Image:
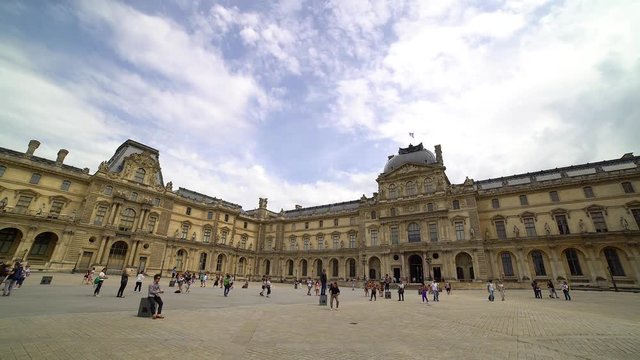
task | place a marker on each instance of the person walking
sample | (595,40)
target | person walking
(401,291)
(139,279)
(565,290)
(435,291)
(268,285)
(154,295)
(174,272)
(309,286)
(366,286)
(423,291)
(323,281)
(24,274)
(490,289)
(552,289)
(124,279)
(99,280)
(317,287)
(353,284)
(447,287)
(264,285)
(13,274)
(334,291)
(374,288)
(501,289)
(227,285)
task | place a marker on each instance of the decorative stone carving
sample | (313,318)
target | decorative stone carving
(169,186)
(516,231)
(547,229)
(193,237)
(624,223)
(582,227)
(103,168)
(3,203)
(472,233)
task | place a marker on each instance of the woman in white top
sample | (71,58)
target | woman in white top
(139,279)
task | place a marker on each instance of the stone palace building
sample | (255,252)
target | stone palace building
(577,223)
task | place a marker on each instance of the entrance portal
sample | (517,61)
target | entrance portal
(415,269)
(437,275)
(396,274)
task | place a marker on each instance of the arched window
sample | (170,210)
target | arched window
(203,262)
(290,267)
(538,263)
(219,262)
(139,177)
(126,219)
(613,261)
(334,268)
(352,268)
(507,264)
(573,262)
(241,266)
(413,231)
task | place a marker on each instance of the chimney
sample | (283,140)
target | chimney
(33,145)
(439,154)
(61,155)
(298,207)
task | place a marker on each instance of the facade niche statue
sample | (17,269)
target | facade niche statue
(547,229)
(582,226)
(516,231)
(624,224)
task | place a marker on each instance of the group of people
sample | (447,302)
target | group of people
(13,276)
(537,292)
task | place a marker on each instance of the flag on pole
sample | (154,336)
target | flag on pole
(411,134)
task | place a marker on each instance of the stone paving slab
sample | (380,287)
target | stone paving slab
(63,321)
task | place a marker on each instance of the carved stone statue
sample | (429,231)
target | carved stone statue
(103,167)
(262,203)
(516,231)
(3,203)
(547,228)
(175,235)
(169,186)
(341,244)
(472,233)
(72,217)
(193,237)
(582,227)
(624,223)
(127,170)
(40,210)
(486,233)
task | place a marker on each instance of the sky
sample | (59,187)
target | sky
(301,102)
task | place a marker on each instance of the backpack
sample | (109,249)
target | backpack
(97,280)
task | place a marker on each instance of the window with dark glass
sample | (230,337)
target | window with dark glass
(411,188)
(245,225)
(628,187)
(374,237)
(507,265)
(56,208)
(101,211)
(636,216)
(209,215)
(414,232)
(573,262)
(430,207)
(538,263)
(563,226)
(2,170)
(433,232)
(22,206)
(306,225)
(151,223)
(334,268)
(554,196)
(530,226)
(335,222)
(495,203)
(501,230)
(588,192)
(188,211)
(126,219)
(35,178)
(524,200)
(320,223)
(613,262)
(393,211)
(373,215)
(395,236)
(226,217)
(456,204)
(459,225)
(598,221)
(66,184)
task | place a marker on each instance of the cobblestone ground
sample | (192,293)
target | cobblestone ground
(64,321)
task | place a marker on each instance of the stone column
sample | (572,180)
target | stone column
(105,251)
(424,266)
(556,266)
(595,267)
(523,267)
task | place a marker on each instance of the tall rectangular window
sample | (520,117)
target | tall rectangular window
(598,221)
(336,241)
(628,187)
(588,192)
(22,206)
(2,170)
(393,211)
(188,212)
(430,207)
(554,196)
(456,204)
(538,263)
(523,200)
(495,203)
(501,231)
(374,237)
(306,225)
(563,226)
(321,242)
(56,208)
(35,178)
(433,232)
(209,215)
(507,264)
(100,213)
(530,226)
(335,222)
(245,225)
(185,231)
(320,223)
(206,235)
(573,262)
(352,241)
(306,243)
(226,217)
(223,237)
(459,225)
(613,261)
(636,216)
(395,235)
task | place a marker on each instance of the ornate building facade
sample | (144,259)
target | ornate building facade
(578,223)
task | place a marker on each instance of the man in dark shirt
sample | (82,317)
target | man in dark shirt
(334,291)
(13,276)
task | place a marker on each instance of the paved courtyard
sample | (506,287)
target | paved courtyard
(64,321)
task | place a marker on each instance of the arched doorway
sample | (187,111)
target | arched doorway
(181,257)
(318,267)
(117,255)
(416,271)
(290,267)
(202,264)
(303,267)
(241,266)
(333,265)
(9,240)
(267,267)
(351,268)
(43,246)
(464,267)
(374,268)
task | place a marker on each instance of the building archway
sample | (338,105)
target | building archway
(267,267)
(241,266)
(374,268)
(350,268)
(9,240)
(464,267)
(289,267)
(117,256)
(416,271)
(43,246)
(318,267)
(303,267)
(202,264)
(333,265)
(181,259)
(220,263)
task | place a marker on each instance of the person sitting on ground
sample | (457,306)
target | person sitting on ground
(154,296)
